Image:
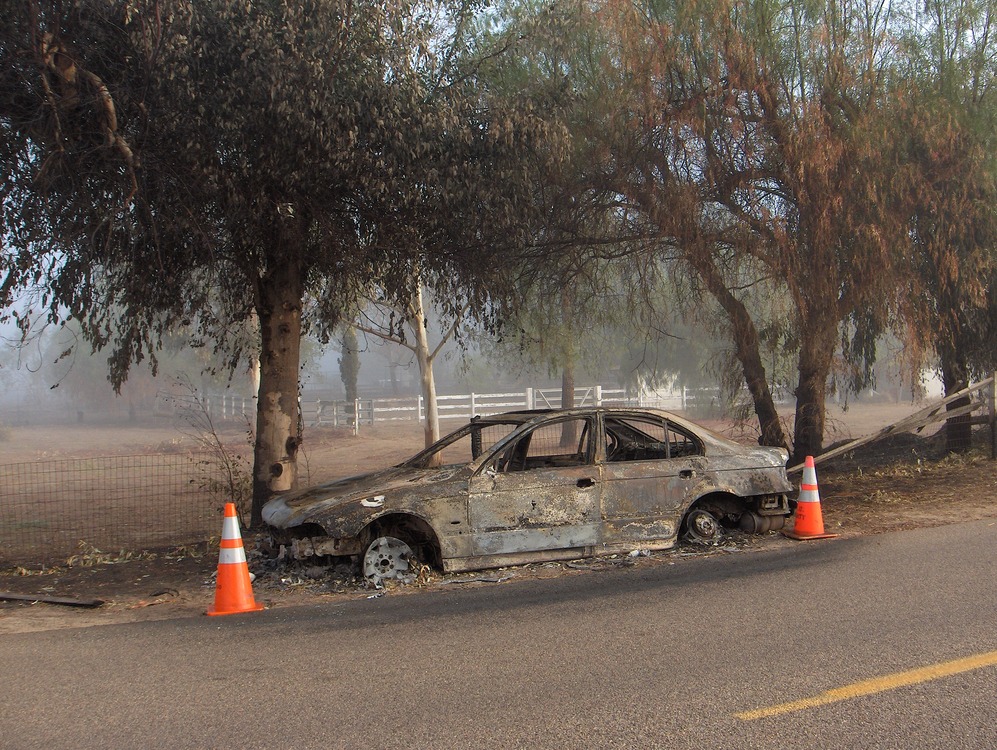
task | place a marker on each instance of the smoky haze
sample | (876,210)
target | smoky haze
(53,378)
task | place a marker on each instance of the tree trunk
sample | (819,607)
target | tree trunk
(814,366)
(424,357)
(951,347)
(568,323)
(569,430)
(955,377)
(349,363)
(568,386)
(748,353)
(279,301)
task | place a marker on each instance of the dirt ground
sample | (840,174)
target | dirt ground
(904,483)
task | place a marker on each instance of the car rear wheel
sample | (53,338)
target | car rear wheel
(388,558)
(701,526)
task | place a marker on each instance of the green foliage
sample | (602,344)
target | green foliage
(945,113)
(190,150)
(210,165)
(742,140)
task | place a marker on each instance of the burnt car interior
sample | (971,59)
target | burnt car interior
(560,444)
(645,440)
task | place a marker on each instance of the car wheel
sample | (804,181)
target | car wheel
(387,558)
(702,527)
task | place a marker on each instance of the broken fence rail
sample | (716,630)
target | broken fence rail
(935,412)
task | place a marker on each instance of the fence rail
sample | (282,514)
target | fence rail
(316,412)
(336,413)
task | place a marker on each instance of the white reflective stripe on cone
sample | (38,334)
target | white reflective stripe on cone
(230,528)
(230,555)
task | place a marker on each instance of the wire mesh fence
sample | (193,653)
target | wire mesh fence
(51,509)
(160,500)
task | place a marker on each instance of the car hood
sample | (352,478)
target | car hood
(298,507)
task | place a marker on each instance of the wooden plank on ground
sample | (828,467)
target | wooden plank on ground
(64,600)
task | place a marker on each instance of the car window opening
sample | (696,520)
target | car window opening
(554,445)
(647,440)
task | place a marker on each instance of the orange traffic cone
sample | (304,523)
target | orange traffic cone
(809,520)
(233,589)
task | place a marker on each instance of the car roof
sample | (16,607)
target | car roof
(521,416)
(525,415)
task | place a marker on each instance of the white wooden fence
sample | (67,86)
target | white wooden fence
(458,406)
(336,413)
(468,405)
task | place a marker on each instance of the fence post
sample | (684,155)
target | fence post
(529,398)
(356,415)
(598,395)
(472,406)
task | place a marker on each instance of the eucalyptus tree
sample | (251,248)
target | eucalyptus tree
(169,162)
(747,135)
(945,149)
(565,307)
(404,320)
(574,318)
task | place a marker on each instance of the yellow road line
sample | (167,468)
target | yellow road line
(876,685)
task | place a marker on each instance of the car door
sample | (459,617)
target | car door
(541,493)
(650,471)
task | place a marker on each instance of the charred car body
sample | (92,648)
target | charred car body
(540,485)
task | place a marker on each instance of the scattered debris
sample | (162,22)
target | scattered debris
(43,571)
(89,556)
(290,581)
(196,550)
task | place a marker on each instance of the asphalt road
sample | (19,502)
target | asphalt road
(663,656)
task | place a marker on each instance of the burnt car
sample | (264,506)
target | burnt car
(540,485)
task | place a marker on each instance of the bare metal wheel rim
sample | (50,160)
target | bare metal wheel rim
(702,526)
(387,557)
